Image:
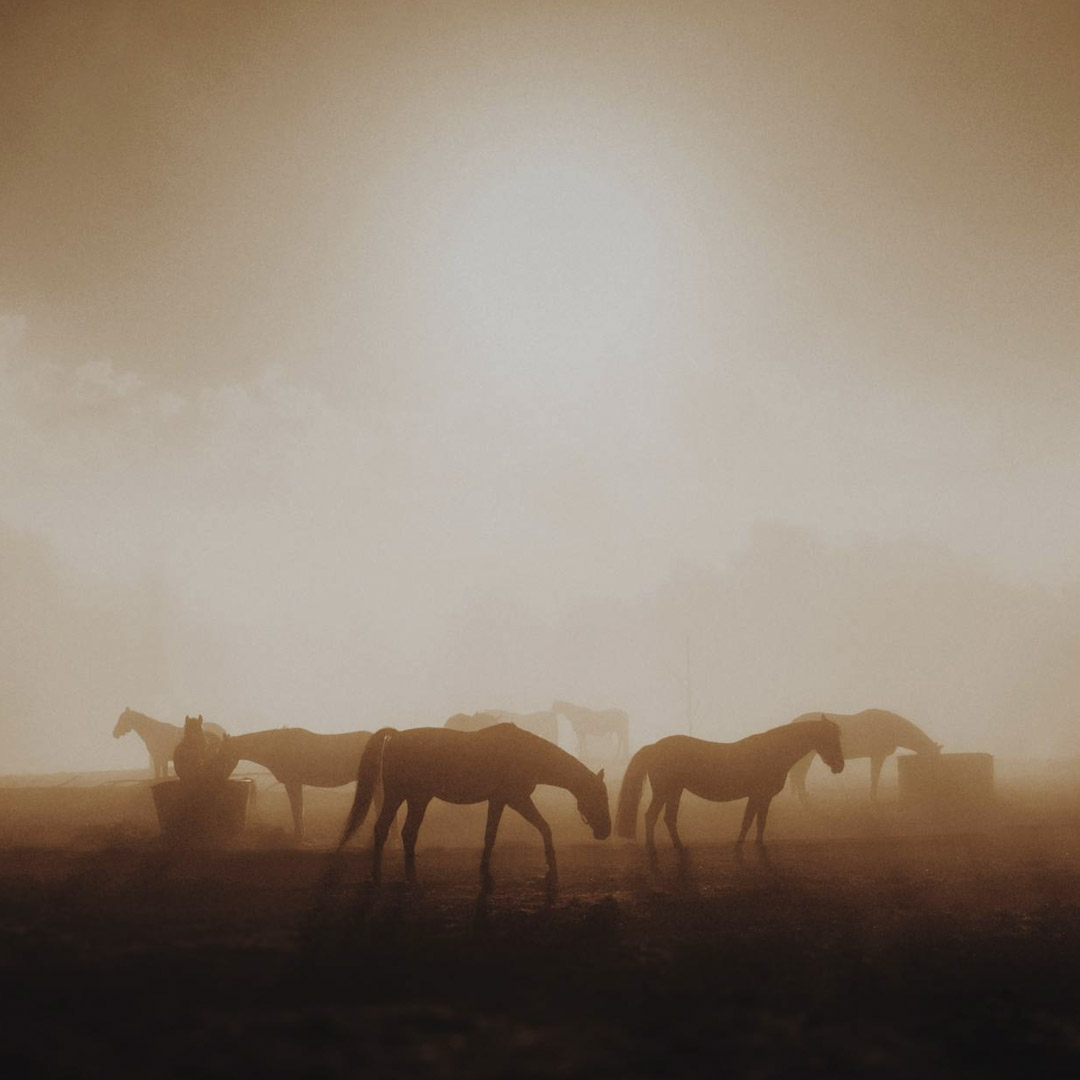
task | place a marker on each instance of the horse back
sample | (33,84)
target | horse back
(466,766)
(296,755)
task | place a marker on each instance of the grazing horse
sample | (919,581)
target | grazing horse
(596,724)
(499,765)
(544,724)
(872,733)
(161,738)
(755,768)
(297,757)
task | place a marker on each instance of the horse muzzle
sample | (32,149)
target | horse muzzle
(837,768)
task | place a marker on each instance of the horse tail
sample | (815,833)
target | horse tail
(367,778)
(630,793)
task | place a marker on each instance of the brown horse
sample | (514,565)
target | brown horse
(872,733)
(198,755)
(297,757)
(500,765)
(161,738)
(754,768)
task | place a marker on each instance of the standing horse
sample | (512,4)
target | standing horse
(872,733)
(754,768)
(596,724)
(160,737)
(499,765)
(197,757)
(544,724)
(297,757)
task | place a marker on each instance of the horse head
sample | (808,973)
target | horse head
(123,724)
(593,806)
(193,725)
(828,745)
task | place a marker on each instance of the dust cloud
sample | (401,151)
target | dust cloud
(707,364)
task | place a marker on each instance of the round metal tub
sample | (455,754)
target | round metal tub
(201,813)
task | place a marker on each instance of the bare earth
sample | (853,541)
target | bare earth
(890,951)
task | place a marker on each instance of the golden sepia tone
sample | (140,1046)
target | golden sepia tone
(654,419)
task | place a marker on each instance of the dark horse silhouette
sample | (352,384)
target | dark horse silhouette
(754,768)
(872,733)
(543,724)
(596,724)
(161,738)
(297,757)
(197,757)
(499,765)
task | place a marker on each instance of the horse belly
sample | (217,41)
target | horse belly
(727,788)
(719,790)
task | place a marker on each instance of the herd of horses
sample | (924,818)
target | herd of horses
(501,758)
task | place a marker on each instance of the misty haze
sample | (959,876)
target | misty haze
(540,538)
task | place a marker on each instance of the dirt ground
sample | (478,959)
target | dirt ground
(875,942)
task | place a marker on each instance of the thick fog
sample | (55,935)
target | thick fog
(363,366)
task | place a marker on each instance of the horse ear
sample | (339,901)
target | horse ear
(600,775)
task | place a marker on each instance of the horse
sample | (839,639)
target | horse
(161,738)
(295,757)
(595,724)
(754,768)
(544,724)
(500,765)
(197,758)
(872,733)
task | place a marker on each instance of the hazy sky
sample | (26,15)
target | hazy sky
(347,330)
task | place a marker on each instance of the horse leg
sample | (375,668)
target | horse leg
(797,776)
(762,814)
(651,816)
(748,817)
(382,828)
(527,809)
(875,775)
(296,805)
(494,816)
(671,815)
(409,832)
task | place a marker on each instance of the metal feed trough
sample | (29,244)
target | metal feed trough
(201,812)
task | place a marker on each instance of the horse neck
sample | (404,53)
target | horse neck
(560,769)
(801,739)
(140,723)
(911,737)
(255,746)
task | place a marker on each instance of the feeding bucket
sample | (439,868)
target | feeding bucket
(201,812)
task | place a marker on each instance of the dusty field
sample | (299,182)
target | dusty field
(875,947)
